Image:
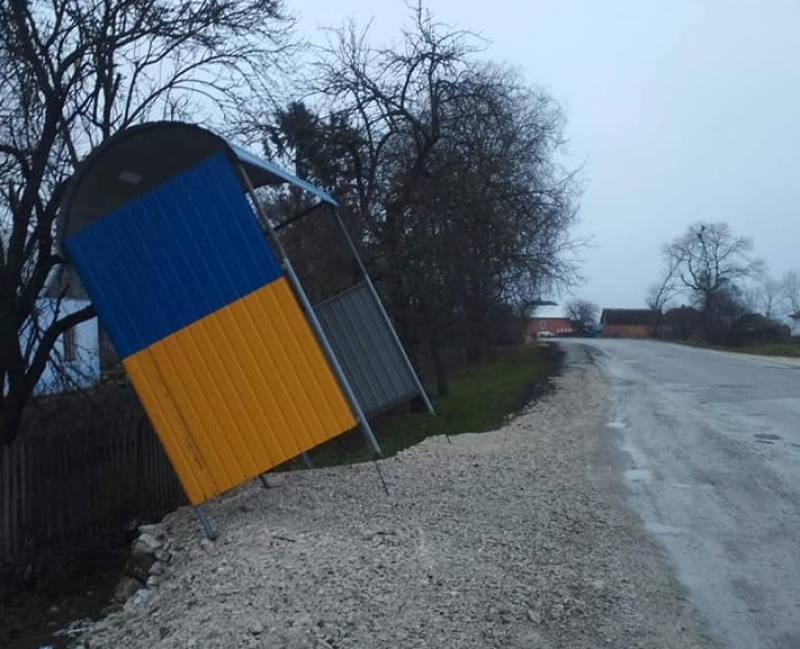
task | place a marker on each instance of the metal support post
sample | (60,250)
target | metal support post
(385,315)
(208,528)
(361,418)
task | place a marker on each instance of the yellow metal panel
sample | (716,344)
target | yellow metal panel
(239,391)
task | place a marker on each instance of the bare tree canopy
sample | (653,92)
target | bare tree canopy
(766,297)
(583,313)
(73,73)
(790,291)
(446,169)
(661,292)
(446,166)
(710,264)
(709,258)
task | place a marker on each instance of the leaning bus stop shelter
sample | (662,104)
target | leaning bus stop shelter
(235,367)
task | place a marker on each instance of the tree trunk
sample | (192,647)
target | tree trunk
(27,372)
(11,415)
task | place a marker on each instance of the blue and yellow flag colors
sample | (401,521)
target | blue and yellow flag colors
(208,330)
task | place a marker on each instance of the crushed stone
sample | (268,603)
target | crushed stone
(515,538)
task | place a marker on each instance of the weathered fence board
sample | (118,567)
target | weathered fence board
(64,493)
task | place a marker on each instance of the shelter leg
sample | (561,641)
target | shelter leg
(263,479)
(208,528)
(307,461)
(366,429)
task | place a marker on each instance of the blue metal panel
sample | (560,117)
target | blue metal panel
(172,256)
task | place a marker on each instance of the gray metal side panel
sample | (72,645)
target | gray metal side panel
(367,351)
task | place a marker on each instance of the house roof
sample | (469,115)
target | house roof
(550,312)
(630,316)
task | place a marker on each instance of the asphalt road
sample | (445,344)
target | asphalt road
(712,443)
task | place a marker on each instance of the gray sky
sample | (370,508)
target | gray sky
(679,110)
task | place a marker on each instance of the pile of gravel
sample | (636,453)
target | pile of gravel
(515,538)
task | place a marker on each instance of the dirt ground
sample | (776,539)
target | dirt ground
(29,620)
(515,538)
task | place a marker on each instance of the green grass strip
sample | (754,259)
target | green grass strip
(481,397)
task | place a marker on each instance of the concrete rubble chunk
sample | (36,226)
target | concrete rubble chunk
(147,543)
(139,564)
(142,596)
(153,529)
(126,588)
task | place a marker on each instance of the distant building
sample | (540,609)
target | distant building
(630,323)
(548,320)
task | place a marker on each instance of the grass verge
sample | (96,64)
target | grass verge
(481,397)
(771,349)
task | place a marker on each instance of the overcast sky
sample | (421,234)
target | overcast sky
(678,110)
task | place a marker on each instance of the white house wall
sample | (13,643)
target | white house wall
(61,375)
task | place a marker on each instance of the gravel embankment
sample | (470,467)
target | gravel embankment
(516,538)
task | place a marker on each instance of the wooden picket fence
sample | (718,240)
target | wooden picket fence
(66,494)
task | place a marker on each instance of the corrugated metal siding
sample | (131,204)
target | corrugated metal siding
(172,256)
(366,349)
(214,340)
(239,392)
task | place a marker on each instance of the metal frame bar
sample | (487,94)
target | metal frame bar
(385,315)
(208,527)
(371,287)
(313,321)
(299,216)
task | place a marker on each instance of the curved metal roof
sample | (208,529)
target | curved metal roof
(140,158)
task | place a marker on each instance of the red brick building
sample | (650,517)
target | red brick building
(548,319)
(630,323)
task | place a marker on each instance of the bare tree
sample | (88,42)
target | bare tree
(74,72)
(790,290)
(456,186)
(661,292)
(711,263)
(583,314)
(709,258)
(766,297)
